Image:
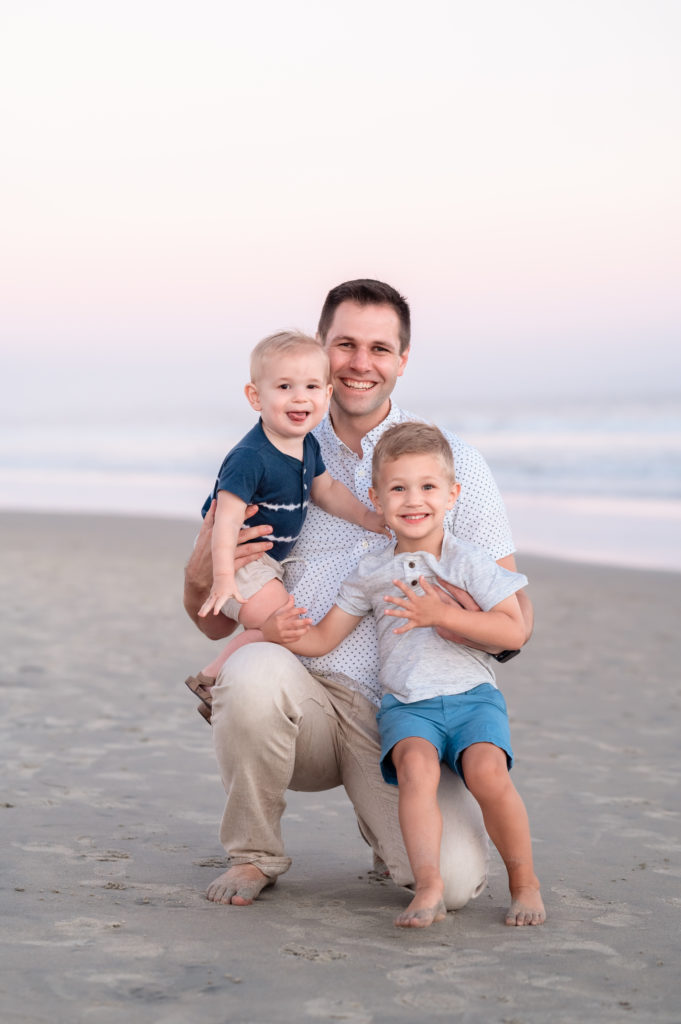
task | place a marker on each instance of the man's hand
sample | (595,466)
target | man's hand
(420,610)
(285,625)
(455,595)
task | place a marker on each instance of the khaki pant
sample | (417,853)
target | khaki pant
(277,727)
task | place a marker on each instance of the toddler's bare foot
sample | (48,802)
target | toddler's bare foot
(202,686)
(426,908)
(527,907)
(239,885)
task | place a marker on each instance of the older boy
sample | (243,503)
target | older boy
(440,702)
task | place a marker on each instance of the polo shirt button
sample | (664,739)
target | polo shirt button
(412,565)
(414,582)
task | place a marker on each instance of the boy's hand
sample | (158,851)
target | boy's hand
(223,588)
(285,625)
(419,609)
(376,523)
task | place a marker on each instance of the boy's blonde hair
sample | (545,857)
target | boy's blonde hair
(280,343)
(412,438)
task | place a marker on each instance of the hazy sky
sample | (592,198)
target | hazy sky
(180,178)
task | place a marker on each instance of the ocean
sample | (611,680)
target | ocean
(593,479)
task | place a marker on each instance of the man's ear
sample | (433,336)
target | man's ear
(374,500)
(454,493)
(404,356)
(251,393)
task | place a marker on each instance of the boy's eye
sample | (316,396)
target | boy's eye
(397,487)
(429,487)
(313,387)
(284,387)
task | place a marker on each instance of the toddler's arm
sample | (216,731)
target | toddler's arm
(335,498)
(500,627)
(229,517)
(287,628)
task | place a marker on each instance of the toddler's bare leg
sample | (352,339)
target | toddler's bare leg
(418,772)
(252,615)
(486,773)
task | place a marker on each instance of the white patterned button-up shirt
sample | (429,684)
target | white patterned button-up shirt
(330,548)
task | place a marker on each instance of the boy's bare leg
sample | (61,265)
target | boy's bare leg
(418,772)
(486,773)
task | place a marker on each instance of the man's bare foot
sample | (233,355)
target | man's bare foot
(426,908)
(239,885)
(527,907)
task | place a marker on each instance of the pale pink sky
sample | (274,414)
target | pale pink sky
(181,178)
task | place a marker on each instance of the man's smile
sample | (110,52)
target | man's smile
(358,385)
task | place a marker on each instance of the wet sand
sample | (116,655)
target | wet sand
(110,807)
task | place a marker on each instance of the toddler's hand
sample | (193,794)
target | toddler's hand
(223,588)
(376,523)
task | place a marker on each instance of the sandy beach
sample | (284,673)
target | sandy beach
(111,803)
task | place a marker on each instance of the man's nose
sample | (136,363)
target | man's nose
(360,360)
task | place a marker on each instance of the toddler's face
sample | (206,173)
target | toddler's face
(292,392)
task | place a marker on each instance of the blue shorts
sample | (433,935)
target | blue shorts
(450,723)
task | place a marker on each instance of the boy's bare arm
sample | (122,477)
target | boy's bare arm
(286,627)
(501,627)
(335,498)
(198,575)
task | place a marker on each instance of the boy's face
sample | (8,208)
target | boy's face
(413,493)
(291,393)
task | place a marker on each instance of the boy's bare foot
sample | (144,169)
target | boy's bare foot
(239,885)
(426,908)
(527,907)
(201,685)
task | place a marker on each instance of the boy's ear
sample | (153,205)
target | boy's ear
(329,391)
(454,493)
(251,393)
(374,500)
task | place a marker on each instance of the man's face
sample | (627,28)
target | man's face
(363,344)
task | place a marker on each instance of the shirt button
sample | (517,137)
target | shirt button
(414,582)
(412,565)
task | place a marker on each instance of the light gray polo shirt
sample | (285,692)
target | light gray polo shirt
(419,664)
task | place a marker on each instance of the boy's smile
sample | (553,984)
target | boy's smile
(291,394)
(413,493)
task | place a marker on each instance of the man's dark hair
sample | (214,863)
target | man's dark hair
(366,292)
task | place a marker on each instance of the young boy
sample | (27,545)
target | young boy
(440,700)
(278,467)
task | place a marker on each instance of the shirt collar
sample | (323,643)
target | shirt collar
(369,440)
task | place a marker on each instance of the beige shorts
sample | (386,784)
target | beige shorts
(251,579)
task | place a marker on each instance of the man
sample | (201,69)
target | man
(280,722)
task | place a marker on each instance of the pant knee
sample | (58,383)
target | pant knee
(251,684)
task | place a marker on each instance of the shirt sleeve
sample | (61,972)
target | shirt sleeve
(316,452)
(479,515)
(489,583)
(240,474)
(353,597)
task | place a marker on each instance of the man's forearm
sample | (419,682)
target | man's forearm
(215,627)
(527,612)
